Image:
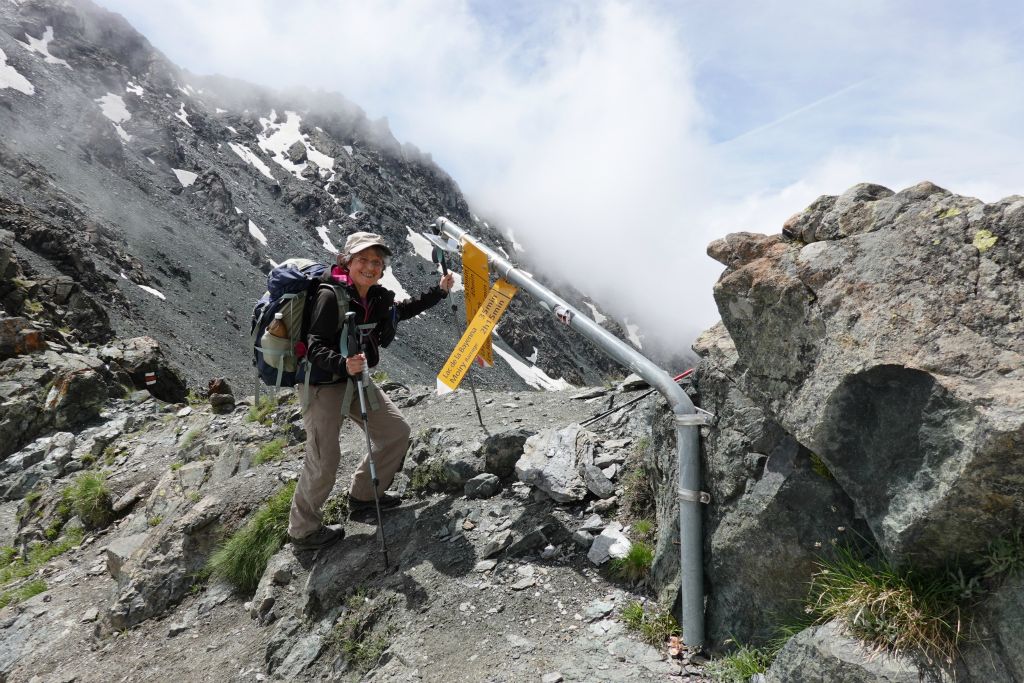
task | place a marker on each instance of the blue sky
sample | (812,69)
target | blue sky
(601,128)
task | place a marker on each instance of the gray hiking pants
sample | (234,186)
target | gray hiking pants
(389,437)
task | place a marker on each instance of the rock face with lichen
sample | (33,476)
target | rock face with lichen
(884,332)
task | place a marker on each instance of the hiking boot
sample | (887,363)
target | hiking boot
(321,538)
(387,500)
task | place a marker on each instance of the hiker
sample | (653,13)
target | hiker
(332,392)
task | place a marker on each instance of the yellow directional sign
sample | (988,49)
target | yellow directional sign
(477,280)
(477,331)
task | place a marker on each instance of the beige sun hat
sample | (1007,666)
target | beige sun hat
(361,241)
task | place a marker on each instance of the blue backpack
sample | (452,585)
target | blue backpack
(280,361)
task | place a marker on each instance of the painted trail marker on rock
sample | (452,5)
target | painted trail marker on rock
(478,330)
(476,278)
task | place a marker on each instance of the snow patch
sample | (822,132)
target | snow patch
(232,129)
(249,157)
(532,375)
(633,332)
(279,138)
(182,115)
(218,110)
(595,314)
(258,235)
(157,293)
(238,211)
(389,281)
(132,87)
(348,149)
(42,46)
(113,108)
(186,178)
(150,161)
(533,356)
(11,78)
(325,237)
(420,246)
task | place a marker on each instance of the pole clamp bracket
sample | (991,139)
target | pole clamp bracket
(694,496)
(700,418)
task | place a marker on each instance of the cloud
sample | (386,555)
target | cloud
(616,139)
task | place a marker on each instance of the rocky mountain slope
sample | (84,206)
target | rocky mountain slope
(167,196)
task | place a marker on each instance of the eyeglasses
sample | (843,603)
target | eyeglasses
(372,262)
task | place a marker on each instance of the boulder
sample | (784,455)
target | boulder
(297,152)
(76,397)
(610,544)
(996,650)
(482,486)
(502,450)
(825,653)
(553,460)
(884,334)
(19,336)
(762,537)
(143,360)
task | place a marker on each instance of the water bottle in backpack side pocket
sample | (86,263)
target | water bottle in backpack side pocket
(277,326)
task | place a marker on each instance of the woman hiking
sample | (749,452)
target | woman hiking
(357,274)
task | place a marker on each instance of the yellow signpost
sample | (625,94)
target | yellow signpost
(476,278)
(478,331)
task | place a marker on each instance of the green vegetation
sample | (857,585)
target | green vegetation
(263,411)
(738,666)
(336,509)
(22,592)
(654,627)
(430,476)
(194,399)
(643,529)
(638,493)
(177,465)
(242,559)
(7,555)
(155,520)
(195,496)
(272,451)
(109,455)
(898,610)
(819,467)
(190,438)
(636,565)
(356,636)
(32,307)
(379,377)
(89,497)
(1005,556)
(38,555)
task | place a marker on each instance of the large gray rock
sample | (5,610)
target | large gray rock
(141,357)
(553,461)
(825,653)
(886,337)
(771,514)
(502,450)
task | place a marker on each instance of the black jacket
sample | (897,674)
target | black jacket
(325,330)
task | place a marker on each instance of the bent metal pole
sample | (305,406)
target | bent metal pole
(687,422)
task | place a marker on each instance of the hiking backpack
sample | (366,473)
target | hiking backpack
(281,361)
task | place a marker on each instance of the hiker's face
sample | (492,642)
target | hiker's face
(366,267)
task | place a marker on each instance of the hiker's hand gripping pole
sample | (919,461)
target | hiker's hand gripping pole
(363,381)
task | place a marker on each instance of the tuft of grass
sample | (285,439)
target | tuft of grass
(430,476)
(194,398)
(357,637)
(638,493)
(177,465)
(190,438)
(89,497)
(155,520)
(1005,556)
(272,451)
(896,610)
(739,665)
(636,565)
(819,467)
(335,510)
(242,559)
(32,307)
(643,529)
(38,555)
(109,455)
(654,628)
(379,377)
(7,555)
(22,592)
(262,411)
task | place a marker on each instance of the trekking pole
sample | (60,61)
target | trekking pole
(361,383)
(439,255)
